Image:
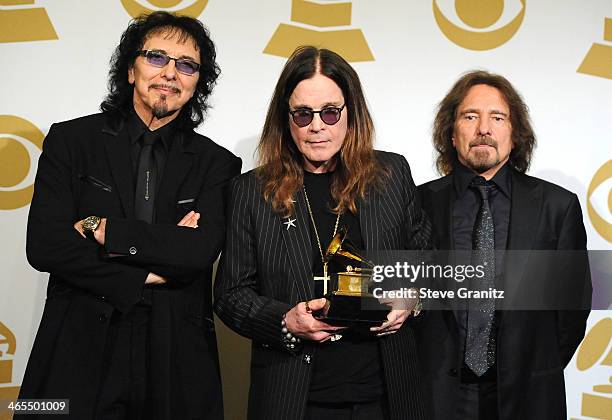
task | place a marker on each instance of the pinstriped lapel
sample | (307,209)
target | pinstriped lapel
(368,213)
(298,245)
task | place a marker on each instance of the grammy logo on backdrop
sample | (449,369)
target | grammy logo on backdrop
(481,25)
(22,24)
(307,18)
(598,61)
(20,140)
(181,7)
(595,349)
(8,345)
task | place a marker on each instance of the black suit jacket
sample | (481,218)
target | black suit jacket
(85,169)
(533,347)
(267,269)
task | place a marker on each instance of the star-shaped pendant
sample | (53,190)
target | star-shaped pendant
(290,222)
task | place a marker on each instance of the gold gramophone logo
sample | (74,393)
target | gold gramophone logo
(309,18)
(598,61)
(19,140)
(192,8)
(19,22)
(599,201)
(481,26)
(595,349)
(8,345)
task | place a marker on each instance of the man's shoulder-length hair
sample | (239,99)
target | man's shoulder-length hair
(119,100)
(523,135)
(281,164)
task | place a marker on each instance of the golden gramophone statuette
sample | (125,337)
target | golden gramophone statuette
(350,302)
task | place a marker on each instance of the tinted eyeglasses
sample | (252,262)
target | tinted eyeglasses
(329,115)
(160,59)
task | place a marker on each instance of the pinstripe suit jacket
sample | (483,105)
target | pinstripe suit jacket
(266,269)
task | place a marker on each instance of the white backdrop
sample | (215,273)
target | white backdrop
(414,64)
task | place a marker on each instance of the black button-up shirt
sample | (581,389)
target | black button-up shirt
(466,206)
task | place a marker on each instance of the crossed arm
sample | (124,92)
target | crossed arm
(190,220)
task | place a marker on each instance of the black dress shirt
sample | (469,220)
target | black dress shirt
(136,128)
(348,370)
(465,209)
(467,203)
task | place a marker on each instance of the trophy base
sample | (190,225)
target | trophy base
(348,310)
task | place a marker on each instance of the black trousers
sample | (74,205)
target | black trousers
(376,410)
(122,393)
(477,399)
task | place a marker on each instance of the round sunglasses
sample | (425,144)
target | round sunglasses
(330,115)
(160,59)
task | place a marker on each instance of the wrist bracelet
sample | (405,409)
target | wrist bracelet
(288,339)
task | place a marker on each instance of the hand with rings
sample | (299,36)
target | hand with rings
(395,320)
(300,322)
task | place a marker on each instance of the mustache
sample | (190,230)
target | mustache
(483,141)
(162,86)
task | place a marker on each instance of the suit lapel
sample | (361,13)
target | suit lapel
(177,167)
(296,235)
(525,213)
(118,152)
(368,213)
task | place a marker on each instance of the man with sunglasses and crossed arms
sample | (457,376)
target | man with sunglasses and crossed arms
(128,218)
(319,173)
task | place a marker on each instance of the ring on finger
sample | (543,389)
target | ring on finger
(308,307)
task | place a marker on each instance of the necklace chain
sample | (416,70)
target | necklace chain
(314,225)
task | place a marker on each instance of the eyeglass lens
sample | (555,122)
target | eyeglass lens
(303,117)
(159,59)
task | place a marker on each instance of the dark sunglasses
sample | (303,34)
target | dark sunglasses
(329,115)
(160,59)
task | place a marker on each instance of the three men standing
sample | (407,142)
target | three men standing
(128,216)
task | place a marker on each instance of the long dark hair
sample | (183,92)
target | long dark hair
(523,135)
(119,100)
(281,163)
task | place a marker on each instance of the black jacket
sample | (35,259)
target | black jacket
(533,347)
(267,269)
(84,170)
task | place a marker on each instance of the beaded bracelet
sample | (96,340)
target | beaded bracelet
(288,339)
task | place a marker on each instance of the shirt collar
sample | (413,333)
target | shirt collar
(136,128)
(463,176)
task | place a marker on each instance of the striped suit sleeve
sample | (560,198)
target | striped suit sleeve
(238,301)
